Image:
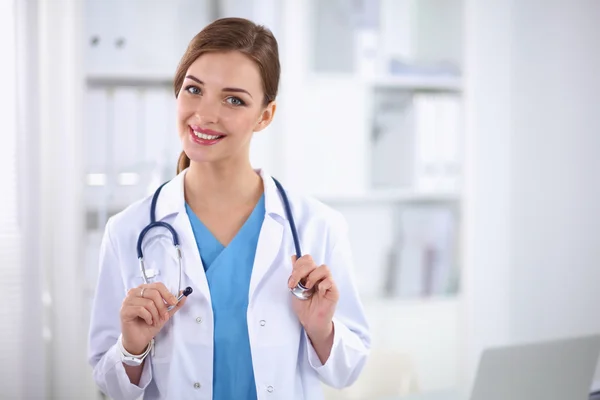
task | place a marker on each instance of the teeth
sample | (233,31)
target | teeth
(205,136)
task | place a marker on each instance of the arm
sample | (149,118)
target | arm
(345,349)
(112,377)
(322,344)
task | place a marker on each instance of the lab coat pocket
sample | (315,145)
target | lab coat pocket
(275,323)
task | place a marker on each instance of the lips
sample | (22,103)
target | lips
(205,137)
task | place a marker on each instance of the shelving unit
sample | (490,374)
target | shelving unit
(327,142)
(370,88)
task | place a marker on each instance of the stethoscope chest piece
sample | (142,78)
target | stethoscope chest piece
(301,292)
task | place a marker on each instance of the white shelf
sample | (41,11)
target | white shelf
(129,78)
(391,196)
(412,82)
(418,82)
(406,82)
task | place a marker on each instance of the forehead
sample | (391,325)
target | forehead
(227,69)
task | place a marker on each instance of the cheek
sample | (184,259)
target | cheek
(184,111)
(240,122)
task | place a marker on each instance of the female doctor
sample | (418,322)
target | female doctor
(241,334)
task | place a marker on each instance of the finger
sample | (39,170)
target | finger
(132,312)
(300,271)
(143,313)
(325,285)
(178,306)
(304,260)
(164,292)
(149,305)
(317,275)
(156,297)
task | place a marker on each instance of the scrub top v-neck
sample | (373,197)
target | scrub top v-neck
(228,271)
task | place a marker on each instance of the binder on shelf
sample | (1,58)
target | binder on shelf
(425,253)
(392,142)
(415,142)
(450,143)
(127,106)
(425,145)
(437,131)
(96,156)
(95,138)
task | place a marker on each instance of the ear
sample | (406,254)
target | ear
(266,116)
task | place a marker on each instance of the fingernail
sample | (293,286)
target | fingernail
(166,316)
(290,282)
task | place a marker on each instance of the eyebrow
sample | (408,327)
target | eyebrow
(227,89)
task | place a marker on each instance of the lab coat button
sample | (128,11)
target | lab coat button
(262,323)
(270,389)
(197,385)
(199,320)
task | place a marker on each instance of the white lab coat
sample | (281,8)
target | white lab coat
(286,367)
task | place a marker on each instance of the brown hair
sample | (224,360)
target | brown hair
(233,34)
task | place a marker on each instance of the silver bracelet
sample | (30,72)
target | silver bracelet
(133,359)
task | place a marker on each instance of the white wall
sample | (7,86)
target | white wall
(60,96)
(487,178)
(534,190)
(28,131)
(555,184)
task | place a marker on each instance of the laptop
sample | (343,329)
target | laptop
(552,370)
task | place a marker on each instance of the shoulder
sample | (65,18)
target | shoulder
(129,221)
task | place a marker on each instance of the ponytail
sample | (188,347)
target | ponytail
(183,162)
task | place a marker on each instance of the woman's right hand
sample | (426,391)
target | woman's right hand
(144,313)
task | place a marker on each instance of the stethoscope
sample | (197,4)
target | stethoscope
(300,291)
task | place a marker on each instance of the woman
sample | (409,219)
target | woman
(240,334)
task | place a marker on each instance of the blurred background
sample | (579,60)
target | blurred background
(460,139)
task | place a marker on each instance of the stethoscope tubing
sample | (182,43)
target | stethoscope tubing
(300,291)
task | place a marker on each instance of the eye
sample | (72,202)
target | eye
(235,101)
(192,89)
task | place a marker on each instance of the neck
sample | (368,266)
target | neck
(226,184)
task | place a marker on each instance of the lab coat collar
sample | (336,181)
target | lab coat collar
(172,201)
(273,201)
(172,197)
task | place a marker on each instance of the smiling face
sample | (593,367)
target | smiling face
(219,107)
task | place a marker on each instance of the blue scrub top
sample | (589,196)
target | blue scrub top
(228,270)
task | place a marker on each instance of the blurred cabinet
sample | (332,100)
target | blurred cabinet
(373,115)
(140,35)
(381,89)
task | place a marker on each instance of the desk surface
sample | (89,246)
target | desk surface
(446,395)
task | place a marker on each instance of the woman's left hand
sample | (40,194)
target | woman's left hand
(316,313)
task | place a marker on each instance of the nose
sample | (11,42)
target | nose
(208,111)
